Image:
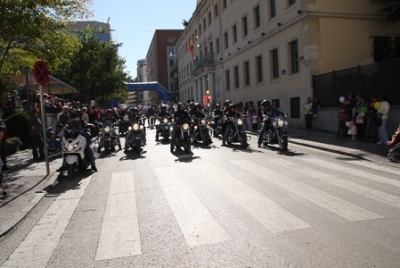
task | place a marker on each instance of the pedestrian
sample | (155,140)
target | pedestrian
(370,130)
(315,107)
(383,112)
(36,136)
(254,121)
(308,113)
(343,118)
(2,130)
(3,142)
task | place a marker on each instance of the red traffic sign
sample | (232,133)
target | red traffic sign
(41,73)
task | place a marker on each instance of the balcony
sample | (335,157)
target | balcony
(202,62)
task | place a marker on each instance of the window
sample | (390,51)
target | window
(272,9)
(259,69)
(224,4)
(209,18)
(204,24)
(226,40)
(217,46)
(236,76)
(234,34)
(216,10)
(246,69)
(212,47)
(257,17)
(227,81)
(245,26)
(171,39)
(294,55)
(295,107)
(291,2)
(274,63)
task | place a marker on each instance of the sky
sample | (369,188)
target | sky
(133,23)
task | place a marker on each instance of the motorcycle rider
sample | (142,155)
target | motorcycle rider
(135,117)
(77,124)
(231,112)
(163,113)
(109,117)
(180,116)
(198,114)
(216,114)
(192,108)
(268,112)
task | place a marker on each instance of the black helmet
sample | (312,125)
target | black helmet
(163,108)
(265,103)
(181,105)
(77,113)
(191,105)
(109,111)
(218,105)
(227,103)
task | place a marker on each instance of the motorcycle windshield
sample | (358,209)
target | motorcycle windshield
(108,123)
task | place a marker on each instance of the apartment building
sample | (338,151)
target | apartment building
(254,50)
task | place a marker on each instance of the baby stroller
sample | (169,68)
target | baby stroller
(53,141)
(4,192)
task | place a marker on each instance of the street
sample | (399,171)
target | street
(217,207)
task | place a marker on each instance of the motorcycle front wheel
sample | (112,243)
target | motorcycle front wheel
(394,154)
(243,141)
(188,144)
(284,144)
(71,172)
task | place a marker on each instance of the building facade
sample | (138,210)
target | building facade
(254,50)
(162,62)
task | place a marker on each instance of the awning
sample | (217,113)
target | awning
(55,86)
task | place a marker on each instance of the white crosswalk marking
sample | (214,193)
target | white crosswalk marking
(355,172)
(385,198)
(269,214)
(39,245)
(377,167)
(333,204)
(197,224)
(120,236)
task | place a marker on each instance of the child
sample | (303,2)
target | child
(343,117)
(254,121)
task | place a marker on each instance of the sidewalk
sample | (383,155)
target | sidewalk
(28,180)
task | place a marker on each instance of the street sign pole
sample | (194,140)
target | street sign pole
(41,74)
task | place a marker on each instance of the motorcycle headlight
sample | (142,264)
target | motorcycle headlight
(107,129)
(135,127)
(286,123)
(165,121)
(240,122)
(141,127)
(203,121)
(129,128)
(69,147)
(274,123)
(185,126)
(281,123)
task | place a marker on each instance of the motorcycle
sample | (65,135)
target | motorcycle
(394,152)
(108,137)
(4,191)
(182,138)
(277,133)
(73,151)
(237,133)
(164,127)
(217,128)
(201,131)
(135,137)
(123,125)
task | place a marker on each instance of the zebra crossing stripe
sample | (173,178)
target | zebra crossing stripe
(38,246)
(382,197)
(120,236)
(359,173)
(333,204)
(272,216)
(197,224)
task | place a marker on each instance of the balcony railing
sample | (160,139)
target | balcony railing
(201,62)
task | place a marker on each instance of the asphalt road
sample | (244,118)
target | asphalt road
(217,207)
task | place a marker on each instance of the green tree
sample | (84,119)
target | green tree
(28,27)
(391,11)
(98,72)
